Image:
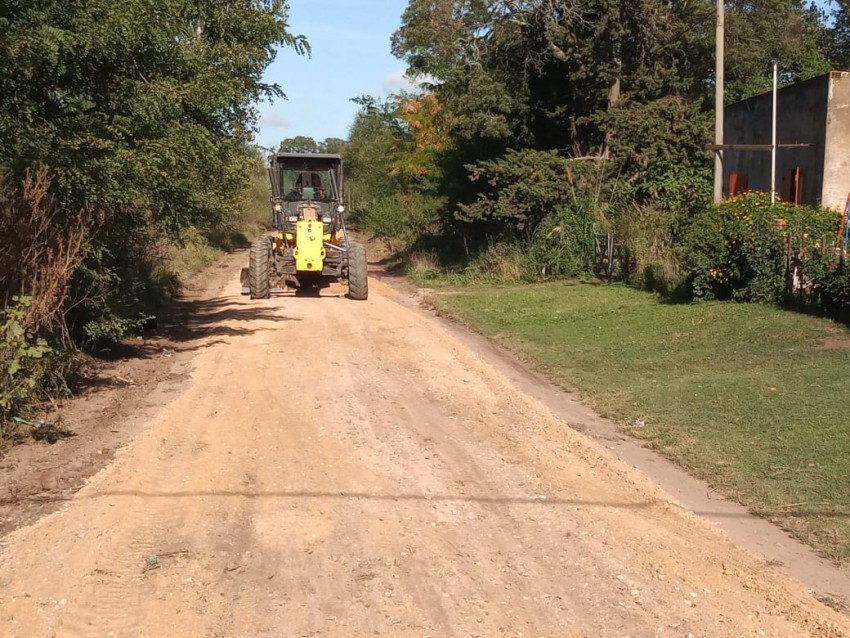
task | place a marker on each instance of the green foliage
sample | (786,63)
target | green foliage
(435,35)
(739,249)
(517,191)
(626,82)
(652,250)
(666,197)
(679,190)
(562,243)
(137,107)
(836,41)
(833,289)
(501,262)
(20,349)
(141,116)
(333,145)
(116,289)
(400,218)
(621,88)
(792,32)
(391,160)
(664,138)
(368,155)
(299,144)
(303,144)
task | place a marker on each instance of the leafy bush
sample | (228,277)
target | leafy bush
(400,218)
(652,257)
(562,244)
(501,262)
(19,350)
(681,191)
(662,141)
(833,288)
(739,249)
(520,189)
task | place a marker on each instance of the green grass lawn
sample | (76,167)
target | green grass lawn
(752,398)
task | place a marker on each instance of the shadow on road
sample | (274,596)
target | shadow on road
(189,323)
(194,320)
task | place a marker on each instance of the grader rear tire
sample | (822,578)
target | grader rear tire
(259,268)
(358,280)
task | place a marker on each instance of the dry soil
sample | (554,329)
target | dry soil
(315,466)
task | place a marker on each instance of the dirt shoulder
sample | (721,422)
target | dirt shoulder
(116,402)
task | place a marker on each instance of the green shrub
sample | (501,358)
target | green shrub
(503,262)
(680,190)
(562,243)
(652,253)
(401,218)
(833,289)
(20,349)
(739,249)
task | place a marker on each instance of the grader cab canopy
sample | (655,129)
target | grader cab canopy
(306,176)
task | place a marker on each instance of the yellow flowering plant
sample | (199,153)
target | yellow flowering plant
(741,249)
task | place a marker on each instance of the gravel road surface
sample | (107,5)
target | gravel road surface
(341,468)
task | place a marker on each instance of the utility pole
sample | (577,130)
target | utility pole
(719,101)
(774,134)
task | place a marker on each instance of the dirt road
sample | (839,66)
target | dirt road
(337,468)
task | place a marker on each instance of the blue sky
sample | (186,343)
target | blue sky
(351,57)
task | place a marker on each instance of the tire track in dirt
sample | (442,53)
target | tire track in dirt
(117,588)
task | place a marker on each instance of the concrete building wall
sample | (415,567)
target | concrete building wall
(836,179)
(802,118)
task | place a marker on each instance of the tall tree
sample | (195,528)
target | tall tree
(137,105)
(333,145)
(139,112)
(299,144)
(790,32)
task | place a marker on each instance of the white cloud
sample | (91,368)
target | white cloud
(274,120)
(396,81)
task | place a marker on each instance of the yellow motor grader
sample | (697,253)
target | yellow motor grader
(310,242)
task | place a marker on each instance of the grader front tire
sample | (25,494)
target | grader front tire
(259,268)
(358,280)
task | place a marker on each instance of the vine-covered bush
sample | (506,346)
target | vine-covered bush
(19,350)
(562,243)
(740,249)
(833,288)
(400,218)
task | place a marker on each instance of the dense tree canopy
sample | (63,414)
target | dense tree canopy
(137,106)
(609,102)
(140,116)
(303,144)
(559,73)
